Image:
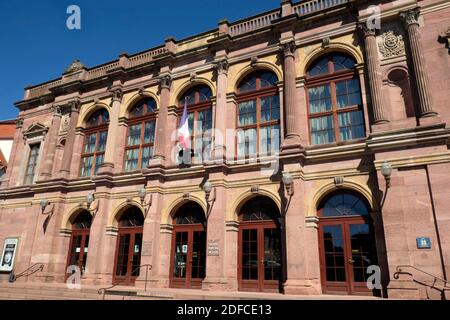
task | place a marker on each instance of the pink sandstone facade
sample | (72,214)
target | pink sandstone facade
(401,70)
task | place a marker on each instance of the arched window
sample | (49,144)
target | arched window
(343,204)
(334,100)
(141,134)
(258,118)
(96,133)
(199,104)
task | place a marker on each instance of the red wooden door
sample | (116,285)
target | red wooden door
(259,256)
(188,256)
(128,255)
(78,250)
(346,250)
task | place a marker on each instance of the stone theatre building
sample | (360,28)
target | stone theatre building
(319,147)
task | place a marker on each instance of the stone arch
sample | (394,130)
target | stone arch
(169,212)
(330,187)
(185,86)
(69,217)
(260,65)
(135,98)
(233,214)
(114,216)
(88,111)
(333,47)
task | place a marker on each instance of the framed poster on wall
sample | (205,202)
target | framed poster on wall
(8,254)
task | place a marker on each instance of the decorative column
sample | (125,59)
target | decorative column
(162,136)
(411,21)
(70,141)
(221,110)
(116,100)
(52,141)
(290,109)
(374,73)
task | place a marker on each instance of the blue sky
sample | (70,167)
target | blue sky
(36,46)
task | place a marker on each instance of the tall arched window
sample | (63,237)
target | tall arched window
(96,133)
(199,104)
(334,100)
(141,135)
(258,116)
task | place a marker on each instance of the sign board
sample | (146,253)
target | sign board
(8,254)
(147,248)
(184,248)
(213,247)
(423,243)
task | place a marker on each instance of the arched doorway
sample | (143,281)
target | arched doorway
(346,243)
(79,242)
(260,246)
(129,246)
(188,247)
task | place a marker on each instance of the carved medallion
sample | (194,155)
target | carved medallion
(391,45)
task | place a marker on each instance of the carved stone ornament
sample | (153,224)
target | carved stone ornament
(253,60)
(74,105)
(365,31)
(222,66)
(56,110)
(116,94)
(410,17)
(338,181)
(288,48)
(64,123)
(192,76)
(165,82)
(326,42)
(391,45)
(76,65)
(19,123)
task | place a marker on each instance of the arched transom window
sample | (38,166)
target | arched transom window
(334,100)
(141,135)
(199,105)
(95,135)
(258,116)
(343,204)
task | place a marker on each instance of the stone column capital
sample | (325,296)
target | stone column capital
(116,94)
(74,105)
(56,110)
(165,82)
(19,123)
(410,17)
(288,48)
(222,66)
(365,31)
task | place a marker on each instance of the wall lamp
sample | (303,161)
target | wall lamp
(288,182)
(142,195)
(386,171)
(90,198)
(44,204)
(208,188)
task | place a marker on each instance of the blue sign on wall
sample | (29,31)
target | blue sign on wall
(423,243)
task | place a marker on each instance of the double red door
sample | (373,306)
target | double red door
(128,255)
(259,256)
(78,250)
(346,250)
(188,256)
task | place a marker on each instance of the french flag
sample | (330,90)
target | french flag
(184,138)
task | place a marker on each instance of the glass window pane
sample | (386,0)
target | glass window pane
(351,125)
(247,113)
(269,140)
(270,108)
(319,99)
(86,164)
(322,130)
(149,132)
(131,159)
(98,162)
(102,141)
(347,93)
(134,135)
(319,67)
(268,79)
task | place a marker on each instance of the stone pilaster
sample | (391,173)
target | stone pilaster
(70,141)
(111,142)
(221,110)
(411,21)
(46,171)
(291,112)
(374,73)
(162,135)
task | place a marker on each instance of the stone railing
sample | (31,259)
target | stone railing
(43,89)
(101,71)
(253,24)
(145,57)
(308,7)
